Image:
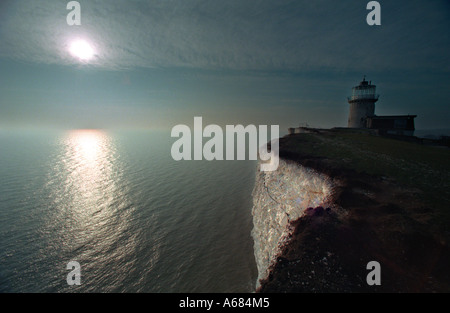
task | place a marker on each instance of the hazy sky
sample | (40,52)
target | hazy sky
(160,63)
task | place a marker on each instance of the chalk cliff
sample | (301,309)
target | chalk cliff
(281,197)
(322,216)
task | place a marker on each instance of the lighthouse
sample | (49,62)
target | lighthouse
(362,104)
(362,115)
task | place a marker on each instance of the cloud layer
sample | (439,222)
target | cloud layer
(232,34)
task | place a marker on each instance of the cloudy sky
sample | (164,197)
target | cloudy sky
(159,63)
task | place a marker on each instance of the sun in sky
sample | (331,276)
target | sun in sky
(81,49)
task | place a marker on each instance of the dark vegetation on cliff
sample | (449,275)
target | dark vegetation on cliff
(391,206)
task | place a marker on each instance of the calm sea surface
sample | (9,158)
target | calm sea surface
(117,203)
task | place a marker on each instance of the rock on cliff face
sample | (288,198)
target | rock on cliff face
(280,197)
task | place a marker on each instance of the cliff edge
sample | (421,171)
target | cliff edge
(343,198)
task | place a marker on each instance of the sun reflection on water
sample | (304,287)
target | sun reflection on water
(89,144)
(89,159)
(92,210)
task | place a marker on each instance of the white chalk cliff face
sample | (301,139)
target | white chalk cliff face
(280,197)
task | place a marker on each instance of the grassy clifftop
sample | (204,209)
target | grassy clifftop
(424,169)
(391,206)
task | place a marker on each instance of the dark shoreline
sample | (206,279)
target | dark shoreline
(374,218)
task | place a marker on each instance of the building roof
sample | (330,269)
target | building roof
(391,116)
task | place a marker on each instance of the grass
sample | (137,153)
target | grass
(426,168)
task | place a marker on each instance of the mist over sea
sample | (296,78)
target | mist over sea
(117,203)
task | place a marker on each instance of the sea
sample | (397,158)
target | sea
(116,202)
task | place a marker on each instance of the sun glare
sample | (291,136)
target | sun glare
(82,50)
(88,144)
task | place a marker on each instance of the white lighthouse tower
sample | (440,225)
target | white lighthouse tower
(362,104)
